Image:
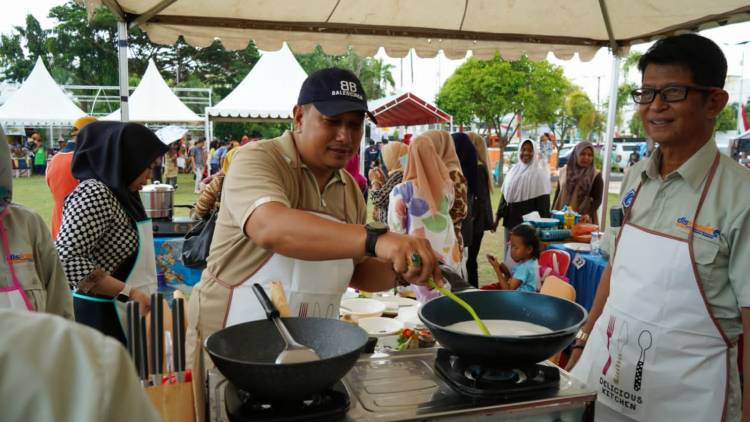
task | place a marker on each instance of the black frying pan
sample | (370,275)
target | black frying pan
(563,317)
(246,354)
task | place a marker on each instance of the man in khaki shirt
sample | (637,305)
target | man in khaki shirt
(290,213)
(674,299)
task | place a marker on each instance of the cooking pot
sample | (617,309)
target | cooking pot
(158,200)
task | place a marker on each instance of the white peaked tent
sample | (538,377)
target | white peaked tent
(40,101)
(153,102)
(268,92)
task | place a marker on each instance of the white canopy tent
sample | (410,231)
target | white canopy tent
(154,102)
(40,101)
(268,92)
(483,27)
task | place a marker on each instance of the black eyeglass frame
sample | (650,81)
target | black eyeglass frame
(687,88)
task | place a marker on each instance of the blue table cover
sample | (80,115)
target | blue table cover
(586,279)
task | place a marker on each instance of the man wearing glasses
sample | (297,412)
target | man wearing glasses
(661,341)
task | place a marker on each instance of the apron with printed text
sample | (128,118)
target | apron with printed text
(12,296)
(656,353)
(107,314)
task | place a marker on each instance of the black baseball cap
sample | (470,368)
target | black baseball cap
(334,91)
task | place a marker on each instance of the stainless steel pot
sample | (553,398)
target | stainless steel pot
(158,200)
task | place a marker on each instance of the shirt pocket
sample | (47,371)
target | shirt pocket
(31,284)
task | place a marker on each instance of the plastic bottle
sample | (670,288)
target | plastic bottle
(570,219)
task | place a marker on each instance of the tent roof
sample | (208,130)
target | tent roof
(511,27)
(153,101)
(406,110)
(40,100)
(268,92)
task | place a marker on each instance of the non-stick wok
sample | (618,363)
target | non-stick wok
(563,317)
(246,353)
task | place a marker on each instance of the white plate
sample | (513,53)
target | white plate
(400,301)
(578,247)
(362,308)
(379,326)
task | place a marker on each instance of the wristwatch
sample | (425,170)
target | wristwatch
(124,294)
(374,230)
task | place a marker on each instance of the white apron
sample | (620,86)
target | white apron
(142,277)
(13,296)
(656,353)
(313,288)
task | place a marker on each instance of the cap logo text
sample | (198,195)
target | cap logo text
(348,88)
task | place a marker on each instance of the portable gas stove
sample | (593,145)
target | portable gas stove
(421,384)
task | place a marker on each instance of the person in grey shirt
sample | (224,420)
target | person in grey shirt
(197,156)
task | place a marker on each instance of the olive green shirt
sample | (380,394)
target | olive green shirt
(35,263)
(722,234)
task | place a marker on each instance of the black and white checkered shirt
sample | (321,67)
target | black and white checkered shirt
(96,233)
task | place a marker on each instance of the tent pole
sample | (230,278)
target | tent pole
(611,114)
(122,59)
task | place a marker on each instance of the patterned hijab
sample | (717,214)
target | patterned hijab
(392,153)
(6,177)
(427,171)
(467,156)
(578,180)
(482,155)
(445,148)
(527,181)
(116,154)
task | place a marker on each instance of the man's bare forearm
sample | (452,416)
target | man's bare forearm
(302,235)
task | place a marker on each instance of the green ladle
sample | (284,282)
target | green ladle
(463,304)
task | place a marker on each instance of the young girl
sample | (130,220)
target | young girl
(524,249)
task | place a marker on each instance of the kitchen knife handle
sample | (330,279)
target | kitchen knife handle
(133,318)
(178,334)
(268,306)
(143,351)
(157,333)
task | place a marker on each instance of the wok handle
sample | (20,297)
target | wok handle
(265,302)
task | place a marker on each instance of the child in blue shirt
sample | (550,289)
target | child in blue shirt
(524,249)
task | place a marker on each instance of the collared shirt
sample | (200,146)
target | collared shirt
(35,263)
(271,171)
(722,231)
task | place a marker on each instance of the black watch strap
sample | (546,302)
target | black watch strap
(122,297)
(374,230)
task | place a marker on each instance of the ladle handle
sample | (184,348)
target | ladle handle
(265,302)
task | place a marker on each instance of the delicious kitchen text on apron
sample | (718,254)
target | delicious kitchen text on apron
(106,314)
(656,353)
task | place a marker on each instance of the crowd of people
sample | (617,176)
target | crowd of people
(290,211)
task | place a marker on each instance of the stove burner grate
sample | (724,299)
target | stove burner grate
(497,382)
(329,405)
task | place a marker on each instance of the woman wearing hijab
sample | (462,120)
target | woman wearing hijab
(381,186)
(467,157)
(420,205)
(105,241)
(446,150)
(526,189)
(481,209)
(31,275)
(580,186)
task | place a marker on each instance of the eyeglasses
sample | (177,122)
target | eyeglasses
(670,94)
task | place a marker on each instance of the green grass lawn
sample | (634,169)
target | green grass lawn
(33,193)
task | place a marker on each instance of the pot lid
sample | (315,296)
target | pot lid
(157,187)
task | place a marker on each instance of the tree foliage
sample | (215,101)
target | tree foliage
(498,93)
